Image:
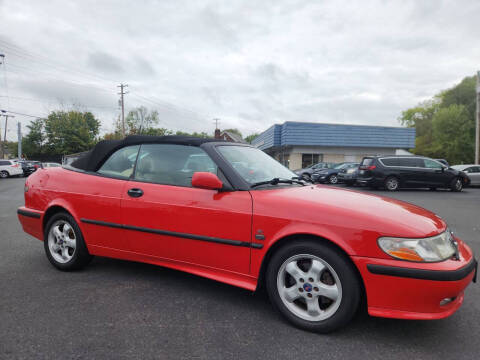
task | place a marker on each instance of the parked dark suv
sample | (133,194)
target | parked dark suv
(394,172)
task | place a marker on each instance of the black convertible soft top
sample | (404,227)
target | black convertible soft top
(93,159)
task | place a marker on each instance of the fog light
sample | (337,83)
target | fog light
(446,301)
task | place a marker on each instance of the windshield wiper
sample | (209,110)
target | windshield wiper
(276,181)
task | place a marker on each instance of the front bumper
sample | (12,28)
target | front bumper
(346,177)
(407,290)
(319,177)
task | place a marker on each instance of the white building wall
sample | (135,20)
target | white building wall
(332,154)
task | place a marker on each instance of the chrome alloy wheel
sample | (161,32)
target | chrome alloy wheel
(309,287)
(62,241)
(333,179)
(392,184)
(458,185)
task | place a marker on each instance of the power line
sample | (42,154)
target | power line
(46,60)
(22,114)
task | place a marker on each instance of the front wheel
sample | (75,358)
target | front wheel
(456,185)
(313,285)
(333,179)
(306,177)
(3,174)
(64,244)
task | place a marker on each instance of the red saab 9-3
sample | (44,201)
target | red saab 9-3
(231,213)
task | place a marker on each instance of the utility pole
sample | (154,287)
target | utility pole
(19,137)
(121,93)
(5,133)
(477,127)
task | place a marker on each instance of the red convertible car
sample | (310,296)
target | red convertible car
(231,213)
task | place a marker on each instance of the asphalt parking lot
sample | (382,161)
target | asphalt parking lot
(117,309)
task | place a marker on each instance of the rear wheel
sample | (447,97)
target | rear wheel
(456,185)
(3,174)
(313,285)
(64,244)
(392,183)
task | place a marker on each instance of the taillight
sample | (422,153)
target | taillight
(371,167)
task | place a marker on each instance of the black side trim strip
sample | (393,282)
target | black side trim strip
(28,213)
(438,275)
(175,234)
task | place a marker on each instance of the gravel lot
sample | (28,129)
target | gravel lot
(118,309)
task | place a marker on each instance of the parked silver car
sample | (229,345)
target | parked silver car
(472,170)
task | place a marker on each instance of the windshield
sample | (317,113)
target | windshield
(340,166)
(253,165)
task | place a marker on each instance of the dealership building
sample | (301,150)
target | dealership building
(300,144)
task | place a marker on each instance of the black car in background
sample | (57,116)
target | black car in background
(331,175)
(306,173)
(348,175)
(28,167)
(394,172)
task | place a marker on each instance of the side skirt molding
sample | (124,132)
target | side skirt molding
(174,234)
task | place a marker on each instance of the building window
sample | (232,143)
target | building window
(309,159)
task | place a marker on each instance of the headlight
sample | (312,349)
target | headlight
(435,248)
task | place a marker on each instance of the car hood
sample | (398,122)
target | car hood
(329,206)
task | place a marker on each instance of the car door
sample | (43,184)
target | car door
(435,174)
(412,171)
(169,219)
(97,199)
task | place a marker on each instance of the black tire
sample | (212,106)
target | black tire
(333,179)
(339,262)
(4,174)
(392,183)
(81,256)
(456,184)
(306,177)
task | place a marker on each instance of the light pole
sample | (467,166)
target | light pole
(477,122)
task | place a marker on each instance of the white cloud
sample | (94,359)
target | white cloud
(250,63)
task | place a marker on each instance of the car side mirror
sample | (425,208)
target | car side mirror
(206,180)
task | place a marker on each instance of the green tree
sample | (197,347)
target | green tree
(70,132)
(250,137)
(445,124)
(12,147)
(202,134)
(33,144)
(235,131)
(140,120)
(453,134)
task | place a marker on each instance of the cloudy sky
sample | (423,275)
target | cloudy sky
(249,63)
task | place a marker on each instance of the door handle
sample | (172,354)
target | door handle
(135,192)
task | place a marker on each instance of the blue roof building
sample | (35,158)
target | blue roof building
(301,144)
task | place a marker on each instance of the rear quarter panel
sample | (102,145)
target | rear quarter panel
(83,196)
